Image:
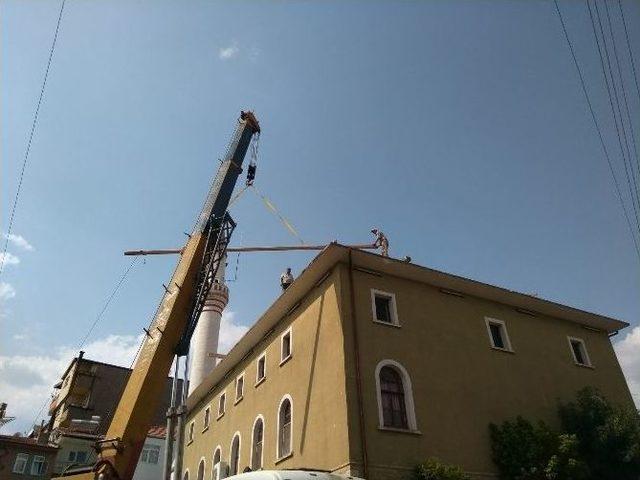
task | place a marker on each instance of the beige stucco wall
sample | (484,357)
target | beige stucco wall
(313,377)
(461,384)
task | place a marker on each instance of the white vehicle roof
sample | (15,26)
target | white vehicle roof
(291,475)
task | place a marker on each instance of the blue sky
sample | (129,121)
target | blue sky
(459,128)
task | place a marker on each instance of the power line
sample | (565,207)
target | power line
(30,140)
(626,34)
(633,189)
(108,302)
(597,126)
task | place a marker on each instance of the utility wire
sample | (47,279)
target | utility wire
(597,126)
(108,302)
(626,34)
(624,145)
(30,140)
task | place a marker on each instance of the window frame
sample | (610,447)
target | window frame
(259,379)
(279,456)
(25,457)
(43,464)
(202,462)
(222,404)
(206,420)
(217,450)
(408,397)
(235,435)
(393,308)
(584,352)
(191,432)
(238,398)
(508,346)
(260,418)
(288,332)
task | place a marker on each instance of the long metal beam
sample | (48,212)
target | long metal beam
(285,248)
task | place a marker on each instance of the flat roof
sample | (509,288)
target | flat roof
(335,253)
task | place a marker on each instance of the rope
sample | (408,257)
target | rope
(31,134)
(270,206)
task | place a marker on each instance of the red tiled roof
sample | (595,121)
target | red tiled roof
(157,431)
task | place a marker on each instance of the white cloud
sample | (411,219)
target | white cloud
(230,332)
(20,336)
(628,350)
(6,291)
(9,259)
(26,381)
(225,53)
(19,241)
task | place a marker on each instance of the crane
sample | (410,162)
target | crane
(175,318)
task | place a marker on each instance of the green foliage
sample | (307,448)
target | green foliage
(598,441)
(608,437)
(433,469)
(522,450)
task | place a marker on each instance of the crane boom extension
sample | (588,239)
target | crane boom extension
(175,318)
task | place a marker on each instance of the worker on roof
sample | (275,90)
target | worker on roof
(381,242)
(286,279)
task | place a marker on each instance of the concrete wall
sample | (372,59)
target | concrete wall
(8,453)
(460,384)
(313,377)
(147,470)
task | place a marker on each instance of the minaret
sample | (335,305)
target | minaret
(204,342)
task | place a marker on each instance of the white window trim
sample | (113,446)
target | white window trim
(224,409)
(584,351)
(24,466)
(409,405)
(253,431)
(237,434)
(206,423)
(508,347)
(33,464)
(235,387)
(278,456)
(186,474)
(393,308)
(191,432)
(258,379)
(202,461)
(288,331)
(213,461)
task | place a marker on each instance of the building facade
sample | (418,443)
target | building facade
(24,458)
(368,365)
(87,395)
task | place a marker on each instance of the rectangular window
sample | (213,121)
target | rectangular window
(384,309)
(79,458)
(285,346)
(498,336)
(239,387)
(221,404)
(207,418)
(191,427)
(579,352)
(150,454)
(261,368)
(20,464)
(38,466)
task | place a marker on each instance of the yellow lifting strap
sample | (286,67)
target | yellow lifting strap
(270,206)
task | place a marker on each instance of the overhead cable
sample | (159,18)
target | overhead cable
(30,139)
(597,127)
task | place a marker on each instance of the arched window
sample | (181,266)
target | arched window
(234,458)
(186,475)
(217,454)
(257,438)
(285,423)
(201,470)
(395,397)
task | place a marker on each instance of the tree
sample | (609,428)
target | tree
(433,469)
(608,437)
